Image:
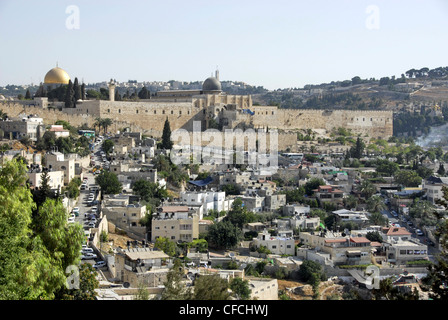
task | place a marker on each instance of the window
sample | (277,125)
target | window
(119,110)
(155,111)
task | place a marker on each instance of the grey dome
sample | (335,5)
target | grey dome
(211,84)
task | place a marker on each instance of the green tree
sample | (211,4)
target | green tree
(175,289)
(166,136)
(83,91)
(144,93)
(211,287)
(441,171)
(385,167)
(27,268)
(47,141)
(375,204)
(108,146)
(224,234)
(88,282)
(150,192)
(231,189)
(41,194)
(69,96)
(63,240)
(108,182)
(358,149)
(312,273)
(312,184)
(239,215)
(165,245)
(408,178)
(77,94)
(374,236)
(350,202)
(142,292)
(106,123)
(367,189)
(376,218)
(240,288)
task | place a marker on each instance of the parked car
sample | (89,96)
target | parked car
(419,232)
(87,250)
(99,264)
(88,255)
(395,214)
(91,224)
(410,223)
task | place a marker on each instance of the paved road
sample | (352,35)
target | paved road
(85,207)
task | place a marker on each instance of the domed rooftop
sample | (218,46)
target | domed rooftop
(211,84)
(57,76)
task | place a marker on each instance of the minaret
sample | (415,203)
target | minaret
(217,73)
(112,86)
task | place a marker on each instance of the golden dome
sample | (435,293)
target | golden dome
(57,75)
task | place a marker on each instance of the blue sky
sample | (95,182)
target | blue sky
(275,44)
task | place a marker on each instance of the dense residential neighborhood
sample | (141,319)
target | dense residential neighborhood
(291,234)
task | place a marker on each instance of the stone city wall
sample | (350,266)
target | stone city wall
(149,117)
(372,123)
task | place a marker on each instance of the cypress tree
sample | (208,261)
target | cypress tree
(69,95)
(77,90)
(83,91)
(166,136)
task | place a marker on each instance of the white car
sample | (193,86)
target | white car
(87,249)
(71,220)
(88,255)
(99,264)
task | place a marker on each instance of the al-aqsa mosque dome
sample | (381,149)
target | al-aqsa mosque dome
(211,84)
(56,77)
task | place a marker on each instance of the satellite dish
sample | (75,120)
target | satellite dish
(126,284)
